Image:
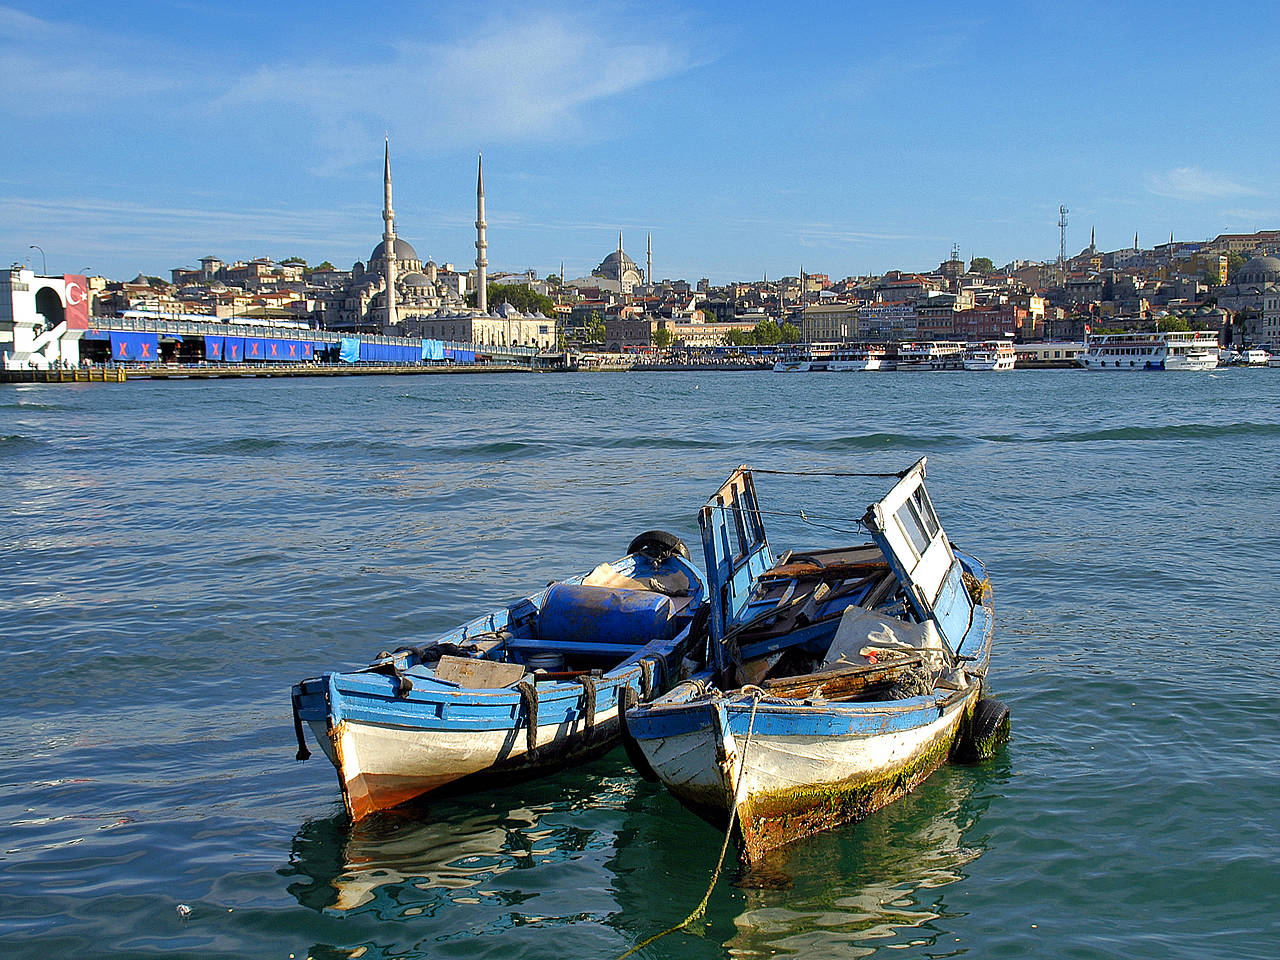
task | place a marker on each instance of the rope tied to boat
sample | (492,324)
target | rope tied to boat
(646,678)
(701,908)
(303,753)
(589,699)
(529,701)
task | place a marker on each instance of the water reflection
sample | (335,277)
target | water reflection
(606,860)
(403,862)
(874,885)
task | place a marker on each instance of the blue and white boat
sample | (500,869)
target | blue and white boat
(517,692)
(845,676)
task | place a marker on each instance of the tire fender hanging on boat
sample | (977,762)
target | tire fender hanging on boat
(983,732)
(529,701)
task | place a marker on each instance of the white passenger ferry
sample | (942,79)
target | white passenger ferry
(931,355)
(991,355)
(1175,350)
(794,360)
(855,359)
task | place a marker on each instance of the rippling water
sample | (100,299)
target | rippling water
(175,555)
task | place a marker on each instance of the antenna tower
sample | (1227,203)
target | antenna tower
(955,251)
(1062,240)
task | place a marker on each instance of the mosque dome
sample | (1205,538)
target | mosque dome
(415,279)
(614,264)
(1259,270)
(404,251)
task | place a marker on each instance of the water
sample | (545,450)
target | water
(175,555)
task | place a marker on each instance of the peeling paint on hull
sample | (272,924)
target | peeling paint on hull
(794,786)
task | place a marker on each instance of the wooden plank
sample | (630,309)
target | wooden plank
(842,681)
(478,674)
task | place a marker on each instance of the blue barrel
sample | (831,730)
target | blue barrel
(632,618)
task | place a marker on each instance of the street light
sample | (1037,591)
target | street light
(44,264)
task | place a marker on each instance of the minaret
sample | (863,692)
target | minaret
(1135,240)
(389,237)
(648,269)
(1093,247)
(482,245)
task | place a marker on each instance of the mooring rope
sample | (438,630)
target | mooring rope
(701,908)
(833,473)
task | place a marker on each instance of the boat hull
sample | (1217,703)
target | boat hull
(807,768)
(381,766)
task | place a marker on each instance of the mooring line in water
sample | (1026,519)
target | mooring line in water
(701,908)
(832,473)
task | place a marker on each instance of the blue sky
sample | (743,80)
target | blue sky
(750,138)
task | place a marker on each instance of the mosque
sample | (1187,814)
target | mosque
(396,293)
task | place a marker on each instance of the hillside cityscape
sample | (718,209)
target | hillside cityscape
(1229,284)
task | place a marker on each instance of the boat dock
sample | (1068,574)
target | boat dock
(121,374)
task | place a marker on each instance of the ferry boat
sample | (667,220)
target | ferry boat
(857,359)
(931,355)
(1174,350)
(991,355)
(795,360)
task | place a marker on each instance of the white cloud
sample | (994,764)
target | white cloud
(532,78)
(1192,184)
(535,75)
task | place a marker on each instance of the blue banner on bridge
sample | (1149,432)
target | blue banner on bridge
(135,346)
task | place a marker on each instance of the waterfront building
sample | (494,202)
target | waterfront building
(35,314)
(830,323)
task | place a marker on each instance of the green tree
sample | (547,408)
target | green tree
(519,296)
(790,333)
(767,332)
(981,265)
(1234,262)
(1179,324)
(595,327)
(662,338)
(307,271)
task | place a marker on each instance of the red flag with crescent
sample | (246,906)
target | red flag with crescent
(77,297)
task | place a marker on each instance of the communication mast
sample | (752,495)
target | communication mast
(1062,241)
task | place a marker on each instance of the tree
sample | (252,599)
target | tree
(662,338)
(519,296)
(1234,262)
(307,271)
(790,333)
(595,327)
(1173,324)
(981,265)
(767,332)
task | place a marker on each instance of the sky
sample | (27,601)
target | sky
(751,139)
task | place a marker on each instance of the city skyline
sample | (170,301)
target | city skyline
(747,140)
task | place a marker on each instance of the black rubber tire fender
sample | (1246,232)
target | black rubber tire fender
(985,730)
(658,545)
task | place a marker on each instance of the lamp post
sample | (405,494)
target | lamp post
(44,264)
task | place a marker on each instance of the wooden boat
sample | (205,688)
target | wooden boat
(513,693)
(845,676)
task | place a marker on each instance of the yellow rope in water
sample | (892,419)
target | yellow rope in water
(701,908)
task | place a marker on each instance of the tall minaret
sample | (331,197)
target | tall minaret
(482,245)
(389,237)
(648,269)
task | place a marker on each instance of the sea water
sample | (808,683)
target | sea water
(174,555)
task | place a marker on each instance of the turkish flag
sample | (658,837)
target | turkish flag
(77,294)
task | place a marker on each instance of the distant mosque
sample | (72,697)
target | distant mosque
(396,294)
(617,272)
